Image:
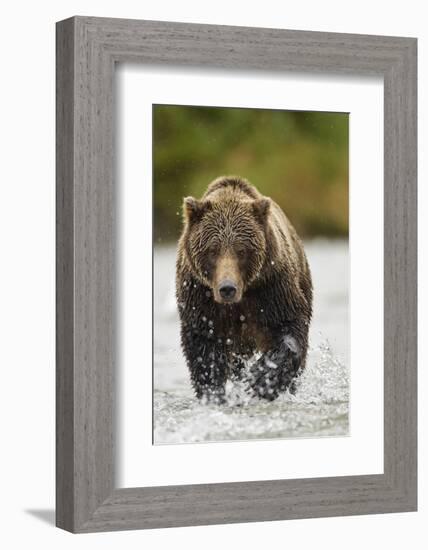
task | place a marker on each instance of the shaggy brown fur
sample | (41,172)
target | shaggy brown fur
(243,286)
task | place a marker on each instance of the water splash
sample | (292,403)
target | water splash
(318,408)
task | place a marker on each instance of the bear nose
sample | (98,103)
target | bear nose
(227,290)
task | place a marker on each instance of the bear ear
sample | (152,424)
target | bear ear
(193,209)
(261,209)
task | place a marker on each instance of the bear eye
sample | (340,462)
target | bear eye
(212,252)
(241,252)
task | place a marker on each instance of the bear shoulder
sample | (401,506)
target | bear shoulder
(232,183)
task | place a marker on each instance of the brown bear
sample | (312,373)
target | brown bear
(244,292)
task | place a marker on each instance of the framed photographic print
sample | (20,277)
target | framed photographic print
(236,274)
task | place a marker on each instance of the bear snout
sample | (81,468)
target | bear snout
(227,283)
(227,290)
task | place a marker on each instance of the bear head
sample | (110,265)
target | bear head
(225,241)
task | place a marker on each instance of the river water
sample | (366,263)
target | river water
(320,406)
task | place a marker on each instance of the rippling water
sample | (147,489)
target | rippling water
(320,405)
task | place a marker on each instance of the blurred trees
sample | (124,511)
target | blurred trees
(298,158)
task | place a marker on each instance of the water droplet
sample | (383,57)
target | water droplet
(242,318)
(228,341)
(204,319)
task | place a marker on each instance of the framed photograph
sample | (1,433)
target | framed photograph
(236,274)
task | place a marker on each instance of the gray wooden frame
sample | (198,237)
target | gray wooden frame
(87,50)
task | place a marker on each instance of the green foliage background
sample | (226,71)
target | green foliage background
(298,158)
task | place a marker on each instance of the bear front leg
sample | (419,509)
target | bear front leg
(207,364)
(209,380)
(276,370)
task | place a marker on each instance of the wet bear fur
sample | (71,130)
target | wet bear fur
(260,336)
